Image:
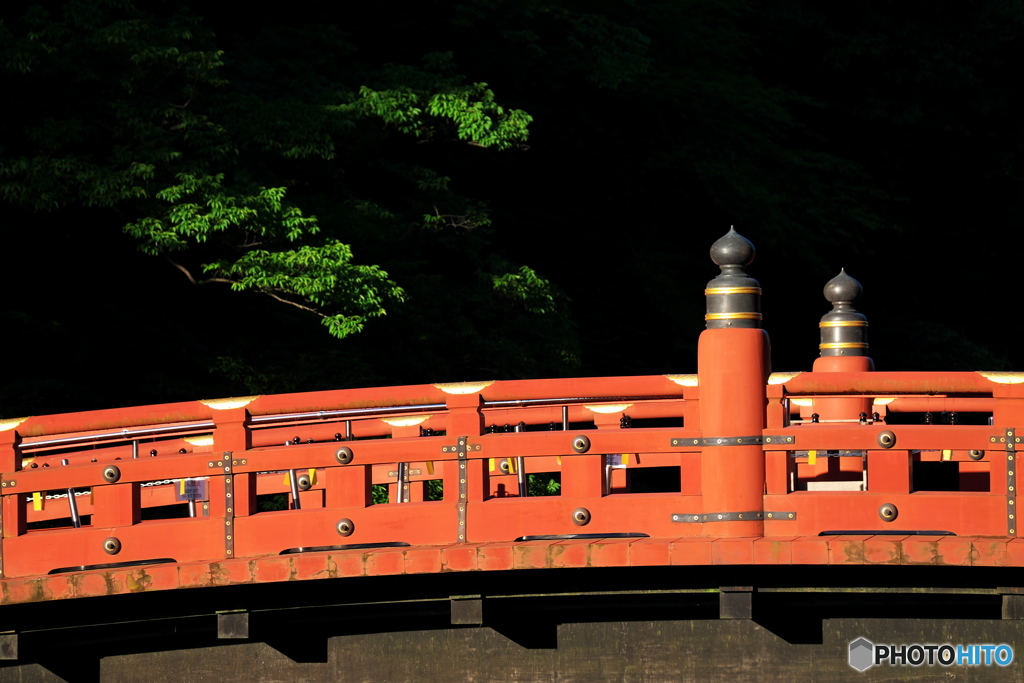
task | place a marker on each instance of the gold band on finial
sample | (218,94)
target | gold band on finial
(843,345)
(732,316)
(711,291)
(843,323)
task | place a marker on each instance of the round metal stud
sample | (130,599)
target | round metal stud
(975,455)
(343,455)
(888,512)
(581,516)
(304,482)
(111,546)
(111,474)
(886,439)
(581,444)
(504,466)
(345,527)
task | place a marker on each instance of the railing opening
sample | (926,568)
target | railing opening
(829,471)
(433,489)
(938,418)
(654,480)
(544,484)
(930,473)
(173,511)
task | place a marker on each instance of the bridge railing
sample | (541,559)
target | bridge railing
(218,469)
(434,465)
(872,472)
(730,452)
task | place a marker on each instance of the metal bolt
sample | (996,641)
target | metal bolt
(580,516)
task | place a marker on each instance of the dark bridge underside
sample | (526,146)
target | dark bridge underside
(657,623)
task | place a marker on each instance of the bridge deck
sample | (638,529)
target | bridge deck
(891,550)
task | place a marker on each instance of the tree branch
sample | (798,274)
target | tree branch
(182,269)
(232,282)
(292,303)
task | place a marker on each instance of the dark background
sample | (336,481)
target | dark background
(885,138)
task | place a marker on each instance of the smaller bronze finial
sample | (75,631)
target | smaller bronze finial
(844,330)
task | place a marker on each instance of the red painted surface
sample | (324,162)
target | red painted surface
(646,468)
(248,460)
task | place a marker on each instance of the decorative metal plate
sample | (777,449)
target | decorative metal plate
(720,441)
(463,452)
(700,518)
(229,507)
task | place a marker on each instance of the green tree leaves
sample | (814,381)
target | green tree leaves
(200,147)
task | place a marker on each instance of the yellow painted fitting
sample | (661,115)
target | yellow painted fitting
(812,457)
(229,403)
(843,323)
(404,421)
(997,377)
(609,408)
(463,387)
(7,425)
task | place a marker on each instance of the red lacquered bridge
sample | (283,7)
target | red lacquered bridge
(739,477)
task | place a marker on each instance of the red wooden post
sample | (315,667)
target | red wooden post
(464,416)
(466,477)
(116,505)
(349,486)
(232,430)
(889,471)
(732,368)
(1008,415)
(14,515)
(245,494)
(607,417)
(843,348)
(10,440)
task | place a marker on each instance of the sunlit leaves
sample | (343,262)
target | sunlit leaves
(200,148)
(469,113)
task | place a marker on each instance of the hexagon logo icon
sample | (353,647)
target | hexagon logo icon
(862,654)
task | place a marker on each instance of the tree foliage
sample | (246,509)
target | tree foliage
(126,107)
(353,161)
